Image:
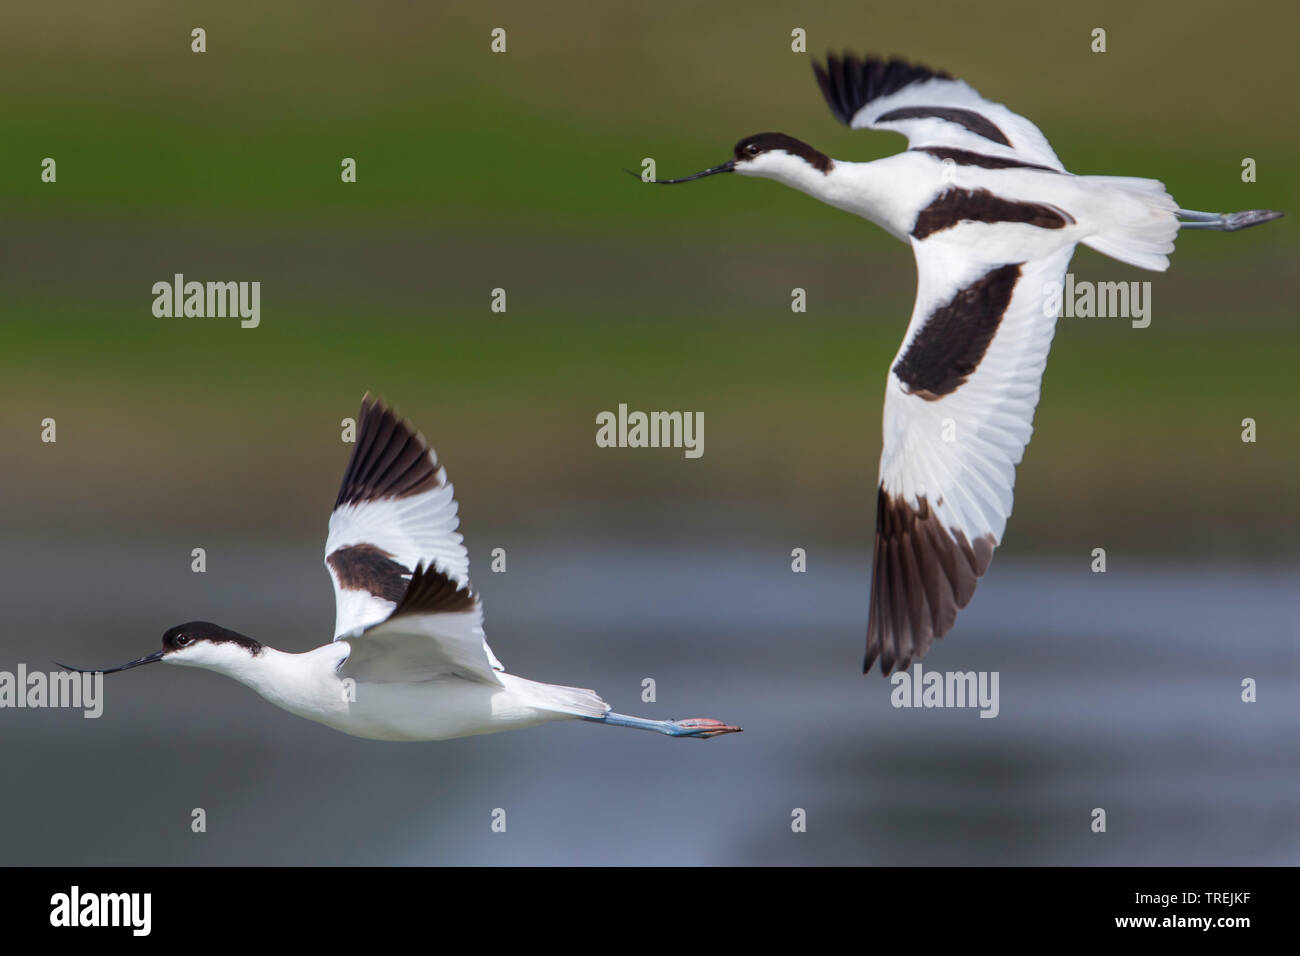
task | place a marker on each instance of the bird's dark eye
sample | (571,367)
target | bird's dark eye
(752,149)
(182,640)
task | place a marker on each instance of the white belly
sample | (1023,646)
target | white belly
(433,710)
(309,685)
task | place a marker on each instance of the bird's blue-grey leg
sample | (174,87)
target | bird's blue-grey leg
(1225,222)
(699,727)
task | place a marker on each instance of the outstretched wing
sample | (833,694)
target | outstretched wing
(395,510)
(932,109)
(959,410)
(436,630)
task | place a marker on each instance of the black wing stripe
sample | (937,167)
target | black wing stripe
(953,206)
(966,157)
(952,343)
(976,123)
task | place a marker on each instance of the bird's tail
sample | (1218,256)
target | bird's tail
(573,701)
(1137,220)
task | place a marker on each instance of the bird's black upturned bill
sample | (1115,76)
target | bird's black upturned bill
(728,167)
(147,659)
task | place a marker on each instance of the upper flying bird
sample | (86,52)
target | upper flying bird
(992,217)
(409,660)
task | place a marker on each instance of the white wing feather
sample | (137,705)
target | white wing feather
(397,511)
(989,418)
(436,631)
(864,92)
(956,423)
(410,530)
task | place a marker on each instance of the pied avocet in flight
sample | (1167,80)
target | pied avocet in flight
(992,217)
(409,660)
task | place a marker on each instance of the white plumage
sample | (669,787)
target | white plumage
(409,660)
(993,218)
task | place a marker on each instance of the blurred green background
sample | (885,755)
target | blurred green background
(478,171)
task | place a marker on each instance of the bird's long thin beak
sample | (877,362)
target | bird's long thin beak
(147,659)
(728,167)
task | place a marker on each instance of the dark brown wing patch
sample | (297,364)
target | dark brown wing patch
(850,83)
(955,206)
(951,344)
(365,567)
(432,591)
(977,123)
(389,460)
(921,575)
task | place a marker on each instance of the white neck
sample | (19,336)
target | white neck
(888,191)
(305,684)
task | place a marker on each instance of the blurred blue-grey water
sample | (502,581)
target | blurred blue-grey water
(1119,690)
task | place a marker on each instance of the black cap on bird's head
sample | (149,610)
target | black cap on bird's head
(752,147)
(193,643)
(185,635)
(749,153)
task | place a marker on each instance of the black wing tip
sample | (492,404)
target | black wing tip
(390,458)
(909,71)
(432,590)
(849,82)
(922,574)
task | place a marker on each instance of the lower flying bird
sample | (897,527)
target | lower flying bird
(409,660)
(993,218)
